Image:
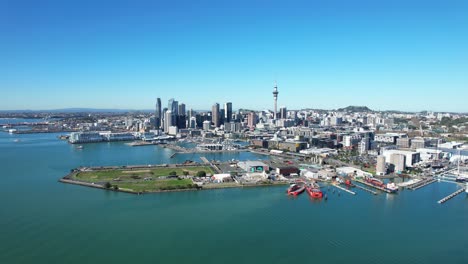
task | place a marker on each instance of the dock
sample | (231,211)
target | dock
(365,189)
(344,189)
(375,187)
(205,160)
(421,184)
(443,200)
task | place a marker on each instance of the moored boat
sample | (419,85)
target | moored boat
(375,182)
(314,191)
(295,189)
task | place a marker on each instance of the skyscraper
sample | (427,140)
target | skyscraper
(275,96)
(283,112)
(181,110)
(168,120)
(158,114)
(215,115)
(251,120)
(227,112)
(173,105)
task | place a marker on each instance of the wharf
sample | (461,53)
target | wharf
(141,143)
(421,184)
(344,189)
(443,200)
(373,186)
(365,189)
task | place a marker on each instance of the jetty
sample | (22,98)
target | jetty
(421,184)
(365,189)
(443,200)
(344,189)
(205,160)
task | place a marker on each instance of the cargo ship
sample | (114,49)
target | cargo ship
(375,182)
(314,191)
(295,189)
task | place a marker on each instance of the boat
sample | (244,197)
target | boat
(79,147)
(375,182)
(391,187)
(460,179)
(314,192)
(295,189)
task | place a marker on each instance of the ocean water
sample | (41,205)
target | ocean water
(44,221)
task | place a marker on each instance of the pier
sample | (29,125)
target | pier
(443,200)
(205,160)
(373,186)
(365,189)
(344,189)
(421,184)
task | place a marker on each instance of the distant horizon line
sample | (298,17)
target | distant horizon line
(84,109)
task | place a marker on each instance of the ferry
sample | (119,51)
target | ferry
(314,192)
(295,189)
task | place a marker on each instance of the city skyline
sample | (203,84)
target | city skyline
(114,55)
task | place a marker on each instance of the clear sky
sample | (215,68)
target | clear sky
(396,54)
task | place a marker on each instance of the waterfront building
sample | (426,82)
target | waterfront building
(380,167)
(215,115)
(398,160)
(173,130)
(253,166)
(227,112)
(85,137)
(411,157)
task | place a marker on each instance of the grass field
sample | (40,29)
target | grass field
(134,180)
(132,175)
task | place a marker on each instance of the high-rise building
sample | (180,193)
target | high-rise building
(215,115)
(158,114)
(283,113)
(173,105)
(168,120)
(380,167)
(252,120)
(227,112)
(399,161)
(275,97)
(181,110)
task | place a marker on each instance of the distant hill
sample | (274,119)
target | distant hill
(355,109)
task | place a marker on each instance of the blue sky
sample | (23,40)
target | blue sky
(403,55)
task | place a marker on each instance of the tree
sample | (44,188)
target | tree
(116,187)
(186,173)
(201,174)
(173,173)
(107,185)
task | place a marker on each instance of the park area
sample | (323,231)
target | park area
(150,179)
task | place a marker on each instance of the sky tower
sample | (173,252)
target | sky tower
(275,96)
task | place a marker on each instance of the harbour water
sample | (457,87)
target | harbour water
(44,221)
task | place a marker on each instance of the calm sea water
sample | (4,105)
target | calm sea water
(44,221)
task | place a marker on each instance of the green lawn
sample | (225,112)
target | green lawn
(137,174)
(134,179)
